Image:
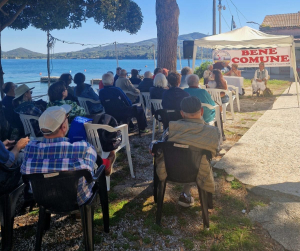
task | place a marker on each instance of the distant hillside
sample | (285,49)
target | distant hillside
(138,50)
(22,53)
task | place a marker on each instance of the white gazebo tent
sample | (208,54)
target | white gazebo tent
(247,37)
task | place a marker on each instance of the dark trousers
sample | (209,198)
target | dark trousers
(139,114)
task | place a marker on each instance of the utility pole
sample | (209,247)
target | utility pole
(220,14)
(214,18)
(48,57)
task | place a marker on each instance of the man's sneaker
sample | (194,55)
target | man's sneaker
(144,131)
(185,201)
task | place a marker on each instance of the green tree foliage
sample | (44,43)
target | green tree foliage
(203,67)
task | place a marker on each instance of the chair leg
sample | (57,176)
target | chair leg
(104,202)
(87,219)
(204,206)
(40,228)
(224,113)
(160,200)
(107,183)
(7,225)
(153,128)
(210,201)
(129,159)
(47,221)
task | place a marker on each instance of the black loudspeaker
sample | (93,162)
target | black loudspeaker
(188,49)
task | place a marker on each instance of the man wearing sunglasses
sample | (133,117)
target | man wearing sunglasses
(55,153)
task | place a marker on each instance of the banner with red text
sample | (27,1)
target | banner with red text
(272,57)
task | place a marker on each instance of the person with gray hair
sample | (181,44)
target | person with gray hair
(124,83)
(160,85)
(147,82)
(185,72)
(208,74)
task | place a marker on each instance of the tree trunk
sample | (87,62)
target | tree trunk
(1,71)
(167,14)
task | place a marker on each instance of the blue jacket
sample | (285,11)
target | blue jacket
(156,92)
(111,92)
(6,157)
(146,84)
(172,98)
(204,97)
(88,92)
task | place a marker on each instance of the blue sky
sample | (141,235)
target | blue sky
(195,16)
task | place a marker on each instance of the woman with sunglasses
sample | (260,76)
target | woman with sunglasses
(57,96)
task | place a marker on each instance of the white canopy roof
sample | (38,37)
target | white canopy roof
(244,37)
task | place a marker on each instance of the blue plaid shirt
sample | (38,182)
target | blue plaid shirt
(58,154)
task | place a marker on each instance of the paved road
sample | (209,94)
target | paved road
(267,157)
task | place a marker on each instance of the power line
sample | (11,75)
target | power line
(229,8)
(225,22)
(238,10)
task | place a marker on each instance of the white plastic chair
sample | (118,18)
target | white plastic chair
(28,129)
(148,104)
(216,118)
(141,101)
(216,96)
(236,96)
(83,103)
(156,103)
(93,138)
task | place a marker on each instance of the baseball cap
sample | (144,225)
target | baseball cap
(52,118)
(20,90)
(190,104)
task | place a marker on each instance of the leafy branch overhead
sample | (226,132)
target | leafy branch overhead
(116,15)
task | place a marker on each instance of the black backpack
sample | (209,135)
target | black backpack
(109,140)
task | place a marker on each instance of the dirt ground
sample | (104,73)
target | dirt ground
(132,208)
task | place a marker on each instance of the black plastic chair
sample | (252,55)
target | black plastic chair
(182,164)
(57,193)
(8,202)
(165,116)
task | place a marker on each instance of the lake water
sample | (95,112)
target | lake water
(25,70)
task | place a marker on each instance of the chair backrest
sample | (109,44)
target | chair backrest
(156,104)
(83,103)
(146,95)
(182,161)
(26,121)
(57,192)
(215,95)
(165,116)
(116,108)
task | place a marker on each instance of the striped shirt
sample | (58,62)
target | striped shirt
(58,154)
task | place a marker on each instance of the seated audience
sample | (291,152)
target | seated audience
(221,65)
(101,83)
(220,83)
(160,83)
(86,91)
(10,115)
(234,71)
(156,71)
(261,77)
(67,78)
(118,73)
(185,72)
(125,85)
(147,82)
(111,92)
(135,80)
(54,153)
(171,98)
(191,130)
(165,72)
(202,95)
(208,74)
(57,93)
(23,104)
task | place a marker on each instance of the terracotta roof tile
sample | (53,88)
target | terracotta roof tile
(282,20)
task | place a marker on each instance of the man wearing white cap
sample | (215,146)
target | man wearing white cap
(55,153)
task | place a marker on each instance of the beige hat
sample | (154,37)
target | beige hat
(20,90)
(52,118)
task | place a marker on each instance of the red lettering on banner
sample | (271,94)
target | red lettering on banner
(254,52)
(253,60)
(274,58)
(245,53)
(244,60)
(285,58)
(265,51)
(262,59)
(273,51)
(235,60)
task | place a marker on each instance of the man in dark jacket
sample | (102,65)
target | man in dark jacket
(118,72)
(147,82)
